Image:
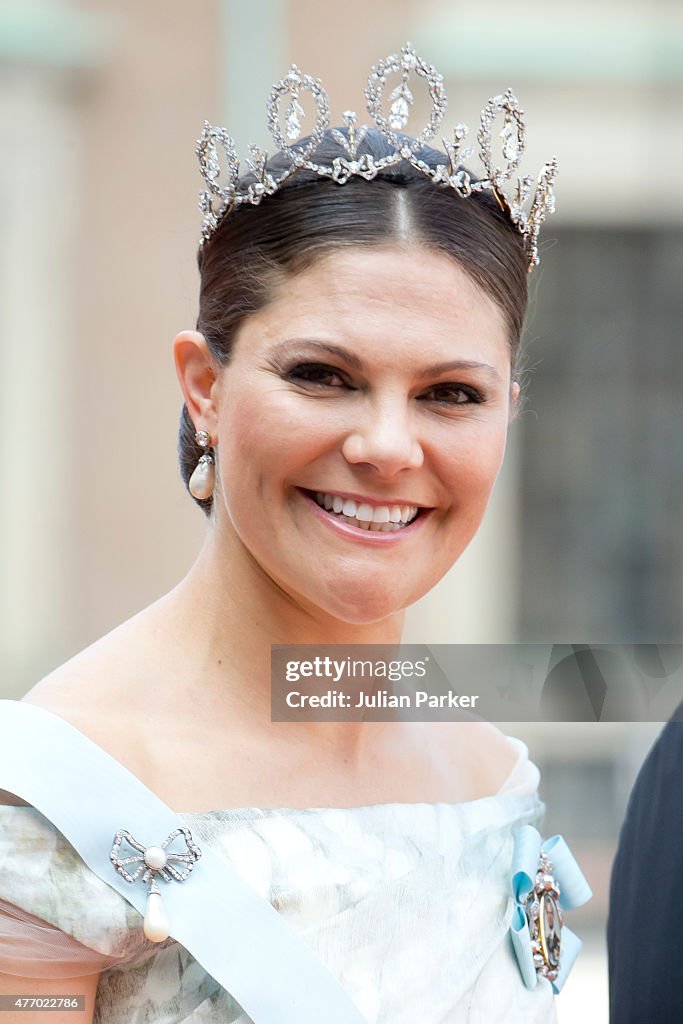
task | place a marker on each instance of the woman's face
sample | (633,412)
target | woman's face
(377,380)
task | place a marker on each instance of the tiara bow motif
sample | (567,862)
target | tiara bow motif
(224,192)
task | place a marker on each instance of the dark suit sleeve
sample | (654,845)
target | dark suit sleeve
(645,927)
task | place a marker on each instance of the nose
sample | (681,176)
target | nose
(384,438)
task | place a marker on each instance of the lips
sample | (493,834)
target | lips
(379,522)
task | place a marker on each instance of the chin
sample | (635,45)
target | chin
(370,602)
(364,616)
(362,604)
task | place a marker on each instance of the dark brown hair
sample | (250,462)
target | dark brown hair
(254,246)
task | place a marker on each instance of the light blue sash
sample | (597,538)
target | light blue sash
(236,935)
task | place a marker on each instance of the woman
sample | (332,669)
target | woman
(352,378)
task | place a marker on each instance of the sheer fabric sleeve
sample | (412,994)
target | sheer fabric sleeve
(57,918)
(525,776)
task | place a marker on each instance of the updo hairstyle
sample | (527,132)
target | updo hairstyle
(255,246)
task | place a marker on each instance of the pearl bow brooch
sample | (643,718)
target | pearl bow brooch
(155,861)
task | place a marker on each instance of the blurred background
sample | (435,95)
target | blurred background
(100,106)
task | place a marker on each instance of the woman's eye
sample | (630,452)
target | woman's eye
(317,373)
(454,394)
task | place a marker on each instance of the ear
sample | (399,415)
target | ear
(197,374)
(514,401)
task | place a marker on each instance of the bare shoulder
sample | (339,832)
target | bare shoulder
(102,678)
(477,751)
(83,689)
(97,689)
(63,692)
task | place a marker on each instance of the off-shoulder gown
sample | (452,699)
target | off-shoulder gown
(409,905)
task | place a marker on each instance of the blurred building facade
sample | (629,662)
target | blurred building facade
(100,104)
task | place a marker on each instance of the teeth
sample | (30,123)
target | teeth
(372,527)
(377,518)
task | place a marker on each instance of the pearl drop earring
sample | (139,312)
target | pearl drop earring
(203,478)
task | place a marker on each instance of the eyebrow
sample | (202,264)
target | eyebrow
(434,370)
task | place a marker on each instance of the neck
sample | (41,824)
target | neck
(229,612)
(248,606)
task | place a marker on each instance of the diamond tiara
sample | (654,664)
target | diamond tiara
(218,200)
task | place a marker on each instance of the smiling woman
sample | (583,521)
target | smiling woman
(381,424)
(348,393)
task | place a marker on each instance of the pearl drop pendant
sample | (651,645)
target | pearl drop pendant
(156,924)
(203,478)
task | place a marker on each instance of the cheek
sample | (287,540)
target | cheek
(266,438)
(473,464)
